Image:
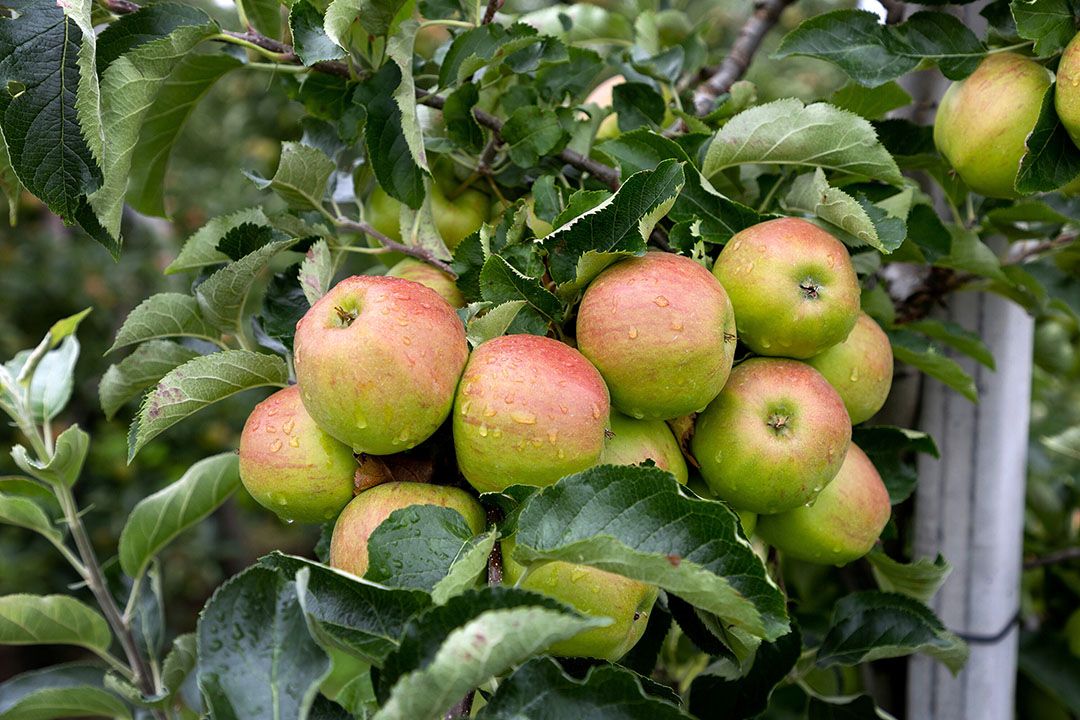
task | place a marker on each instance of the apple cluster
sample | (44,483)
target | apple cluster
(382,362)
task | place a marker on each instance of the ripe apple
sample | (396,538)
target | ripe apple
(455,219)
(661,331)
(289,465)
(774,437)
(842,524)
(377,361)
(348,544)
(429,276)
(792,285)
(632,442)
(984,120)
(529,410)
(860,368)
(592,592)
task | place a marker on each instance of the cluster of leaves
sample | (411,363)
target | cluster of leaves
(292,637)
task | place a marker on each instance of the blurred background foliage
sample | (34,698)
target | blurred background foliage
(45,274)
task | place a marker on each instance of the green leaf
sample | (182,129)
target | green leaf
(724,698)
(1050,23)
(176,100)
(786,132)
(316,271)
(920,579)
(843,708)
(716,218)
(635,521)
(384,136)
(223,296)
(493,323)
(470,564)
(178,665)
(359,616)
(60,691)
(141,369)
(200,382)
(283,306)
(52,620)
(1046,660)
(920,353)
(51,376)
(256,658)
(970,254)
(450,649)
(129,87)
(461,125)
(870,103)
(310,41)
(66,463)
(618,227)
(872,53)
(264,15)
(159,518)
(162,316)
(638,106)
(889,449)
(415,546)
(477,48)
(301,176)
(500,283)
(642,149)
(376,17)
(400,49)
(21,512)
(540,690)
(871,625)
(531,133)
(39,58)
(811,193)
(65,327)
(956,337)
(1052,159)
(200,250)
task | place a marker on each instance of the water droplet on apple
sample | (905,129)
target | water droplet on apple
(275,446)
(632,333)
(765,343)
(282,501)
(596,411)
(407,340)
(489,411)
(637,414)
(854,375)
(294,442)
(661,301)
(496,432)
(465,407)
(676,325)
(483,430)
(271,429)
(524,418)
(553,437)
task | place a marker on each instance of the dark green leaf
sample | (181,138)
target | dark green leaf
(143,368)
(223,296)
(264,15)
(1050,23)
(890,449)
(1045,659)
(461,126)
(642,150)
(147,24)
(301,176)
(200,250)
(161,316)
(558,80)
(734,699)
(956,337)
(284,303)
(309,39)
(500,282)
(60,691)
(531,133)
(861,708)
(638,105)
(476,48)
(540,690)
(1052,159)
(415,546)
(870,103)
(244,239)
(388,150)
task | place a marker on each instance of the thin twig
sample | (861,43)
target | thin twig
(894,11)
(1053,558)
(734,66)
(393,245)
(493,7)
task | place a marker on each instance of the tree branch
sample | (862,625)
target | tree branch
(1071,553)
(394,246)
(734,66)
(492,8)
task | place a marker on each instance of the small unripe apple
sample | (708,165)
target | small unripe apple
(289,465)
(592,592)
(843,522)
(774,437)
(860,368)
(632,442)
(377,362)
(540,227)
(661,331)
(983,121)
(792,285)
(429,38)
(748,520)
(429,276)
(529,410)
(349,542)
(384,214)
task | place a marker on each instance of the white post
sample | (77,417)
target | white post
(970,507)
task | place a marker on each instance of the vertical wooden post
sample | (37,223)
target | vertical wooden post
(970,508)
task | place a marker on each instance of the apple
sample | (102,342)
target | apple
(984,120)
(603,94)
(632,442)
(429,38)
(860,368)
(539,226)
(529,411)
(349,541)
(792,285)
(378,360)
(1067,91)
(429,276)
(289,465)
(592,592)
(773,438)
(455,219)
(661,331)
(748,520)
(843,522)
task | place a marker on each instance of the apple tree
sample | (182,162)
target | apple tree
(570,331)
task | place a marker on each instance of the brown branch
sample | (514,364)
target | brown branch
(1071,553)
(394,246)
(894,11)
(734,66)
(493,7)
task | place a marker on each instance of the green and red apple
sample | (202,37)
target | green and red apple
(529,411)
(429,276)
(661,330)
(349,542)
(378,360)
(632,442)
(983,121)
(860,368)
(773,438)
(289,465)
(792,285)
(843,522)
(593,592)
